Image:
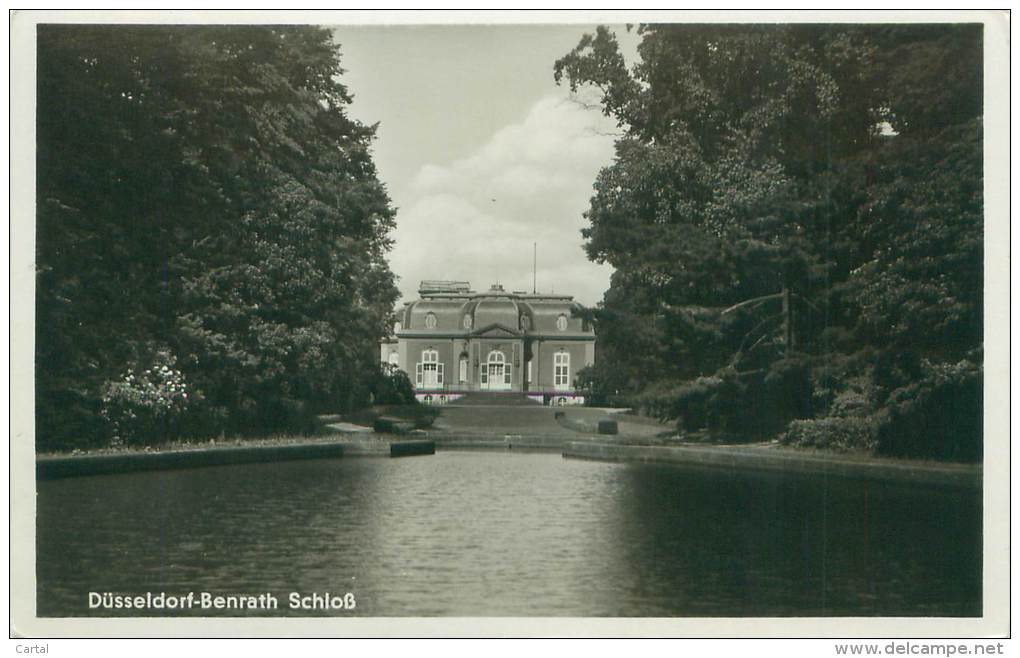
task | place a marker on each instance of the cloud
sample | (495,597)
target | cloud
(477,218)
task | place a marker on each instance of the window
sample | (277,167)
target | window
(496,372)
(430,321)
(561,323)
(467,320)
(561,370)
(428,373)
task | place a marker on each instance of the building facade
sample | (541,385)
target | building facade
(454,340)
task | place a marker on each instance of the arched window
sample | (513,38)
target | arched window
(561,323)
(428,373)
(496,372)
(561,371)
(430,321)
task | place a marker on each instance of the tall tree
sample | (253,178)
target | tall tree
(725,128)
(833,169)
(202,190)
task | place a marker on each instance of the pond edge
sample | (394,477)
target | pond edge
(769,459)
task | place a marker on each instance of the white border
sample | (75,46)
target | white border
(995,622)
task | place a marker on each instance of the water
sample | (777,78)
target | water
(507,534)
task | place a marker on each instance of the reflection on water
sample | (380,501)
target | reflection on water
(497,534)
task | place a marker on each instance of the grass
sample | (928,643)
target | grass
(417,415)
(196,444)
(413,415)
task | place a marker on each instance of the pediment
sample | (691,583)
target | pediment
(496,330)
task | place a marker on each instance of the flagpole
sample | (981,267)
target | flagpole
(534,268)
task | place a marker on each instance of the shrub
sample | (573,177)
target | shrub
(841,434)
(844,385)
(424,416)
(285,414)
(393,418)
(149,406)
(737,405)
(384,426)
(602,386)
(68,419)
(756,404)
(659,401)
(732,403)
(691,402)
(938,417)
(856,398)
(787,392)
(894,369)
(717,403)
(618,401)
(686,402)
(392,386)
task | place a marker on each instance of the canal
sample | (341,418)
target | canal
(505,534)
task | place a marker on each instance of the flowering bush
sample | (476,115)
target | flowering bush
(839,434)
(146,407)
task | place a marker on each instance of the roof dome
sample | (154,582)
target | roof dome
(496,311)
(432,315)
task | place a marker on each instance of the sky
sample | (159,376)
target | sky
(481,152)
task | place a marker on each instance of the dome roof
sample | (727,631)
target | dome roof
(465,313)
(496,311)
(419,314)
(546,317)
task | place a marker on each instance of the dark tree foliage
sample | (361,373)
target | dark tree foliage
(202,192)
(835,170)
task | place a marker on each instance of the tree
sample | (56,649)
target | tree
(725,128)
(203,191)
(834,167)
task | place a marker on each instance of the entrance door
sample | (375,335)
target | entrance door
(496,373)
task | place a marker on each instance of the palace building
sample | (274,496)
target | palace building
(454,340)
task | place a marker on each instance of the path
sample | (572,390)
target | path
(533,419)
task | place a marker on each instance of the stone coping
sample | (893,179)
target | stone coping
(51,467)
(761,457)
(764,458)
